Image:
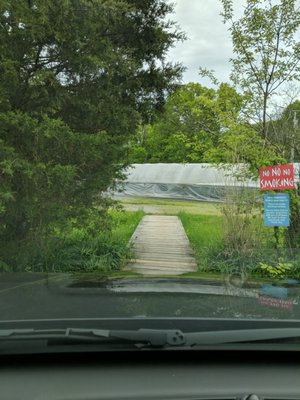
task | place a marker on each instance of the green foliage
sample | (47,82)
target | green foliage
(242,144)
(75,249)
(266,57)
(249,250)
(279,270)
(214,252)
(81,60)
(266,51)
(76,78)
(203,125)
(5,267)
(205,233)
(49,173)
(284,131)
(193,121)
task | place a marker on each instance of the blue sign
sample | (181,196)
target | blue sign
(277,209)
(275,291)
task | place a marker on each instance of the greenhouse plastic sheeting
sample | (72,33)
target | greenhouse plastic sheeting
(172,191)
(202,182)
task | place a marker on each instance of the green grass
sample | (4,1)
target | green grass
(104,252)
(170,207)
(205,235)
(125,223)
(85,248)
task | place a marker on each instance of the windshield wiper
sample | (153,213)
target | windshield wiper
(152,337)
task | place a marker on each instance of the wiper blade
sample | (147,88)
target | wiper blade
(153,337)
(242,336)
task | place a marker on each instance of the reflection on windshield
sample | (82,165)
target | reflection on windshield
(129,190)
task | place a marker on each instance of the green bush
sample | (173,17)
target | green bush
(206,237)
(278,270)
(76,248)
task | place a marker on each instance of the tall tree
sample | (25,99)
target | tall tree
(284,130)
(266,50)
(76,78)
(194,118)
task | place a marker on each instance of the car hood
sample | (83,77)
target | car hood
(34,296)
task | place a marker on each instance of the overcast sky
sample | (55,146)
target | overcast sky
(208,44)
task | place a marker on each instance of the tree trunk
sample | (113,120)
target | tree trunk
(264,121)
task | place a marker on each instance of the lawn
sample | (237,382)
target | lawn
(202,222)
(248,244)
(170,207)
(80,249)
(205,233)
(124,224)
(104,251)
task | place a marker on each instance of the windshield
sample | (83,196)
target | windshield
(149,171)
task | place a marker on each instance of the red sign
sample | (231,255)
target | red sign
(277,303)
(278,177)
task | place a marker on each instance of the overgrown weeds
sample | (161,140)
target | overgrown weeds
(237,243)
(76,249)
(206,236)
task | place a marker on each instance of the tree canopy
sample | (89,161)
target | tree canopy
(266,51)
(194,119)
(76,78)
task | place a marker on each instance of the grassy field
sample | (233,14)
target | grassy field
(170,207)
(216,252)
(124,224)
(202,222)
(83,249)
(106,251)
(216,257)
(205,233)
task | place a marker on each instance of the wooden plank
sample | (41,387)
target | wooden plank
(183,267)
(160,246)
(165,263)
(158,258)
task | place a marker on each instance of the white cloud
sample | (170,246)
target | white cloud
(208,44)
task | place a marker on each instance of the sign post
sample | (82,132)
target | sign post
(276,214)
(279,177)
(277,209)
(277,206)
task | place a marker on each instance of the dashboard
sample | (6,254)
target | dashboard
(222,375)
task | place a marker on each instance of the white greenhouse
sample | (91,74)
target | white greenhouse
(201,182)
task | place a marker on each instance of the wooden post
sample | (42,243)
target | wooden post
(276,236)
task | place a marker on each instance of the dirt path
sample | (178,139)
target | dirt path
(161,247)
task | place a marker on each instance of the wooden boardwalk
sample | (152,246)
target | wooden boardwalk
(161,247)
